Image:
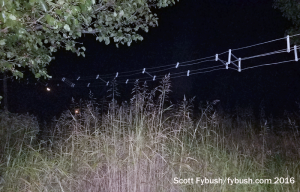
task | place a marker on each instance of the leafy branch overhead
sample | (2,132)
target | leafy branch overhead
(31,30)
(291,10)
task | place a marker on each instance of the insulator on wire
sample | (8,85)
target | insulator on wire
(295,52)
(288,43)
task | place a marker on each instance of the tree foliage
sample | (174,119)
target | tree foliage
(291,10)
(31,30)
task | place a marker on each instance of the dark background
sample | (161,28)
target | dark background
(189,30)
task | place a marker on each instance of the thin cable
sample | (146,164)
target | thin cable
(222,53)
(294,35)
(265,54)
(153,72)
(232,68)
(258,44)
(187,63)
(208,71)
(157,76)
(151,68)
(191,73)
(198,59)
(267,64)
(197,71)
(197,63)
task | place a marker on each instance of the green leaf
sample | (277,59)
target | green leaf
(37,75)
(75,22)
(32,2)
(9,54)
(100,39)
(12,17)
(58,11)
(44,5)
(121,13)
(68,47)
(83,8)
(18,74)
(61,2)
(67,18)
(2,41)
(50,20)
(75,9)
(107,41)
(67,27)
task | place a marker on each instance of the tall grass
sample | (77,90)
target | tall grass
(146,145)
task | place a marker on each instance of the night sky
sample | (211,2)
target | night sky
(189,30)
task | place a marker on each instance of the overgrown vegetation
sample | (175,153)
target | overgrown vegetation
(146,145)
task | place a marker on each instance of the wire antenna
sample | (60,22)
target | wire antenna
(200,65)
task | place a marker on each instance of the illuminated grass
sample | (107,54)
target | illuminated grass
(143,146)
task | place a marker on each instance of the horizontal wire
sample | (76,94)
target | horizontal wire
(183,66)
(222,53)
(180,66)
(188,63)
(208,71)
(197,63)
(267,64)
(158,67)
(147,69)
(151,68)
(192,72)
(258,44)
(265,54)
(295,35)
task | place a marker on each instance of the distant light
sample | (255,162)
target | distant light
(76,111)
(48,89)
